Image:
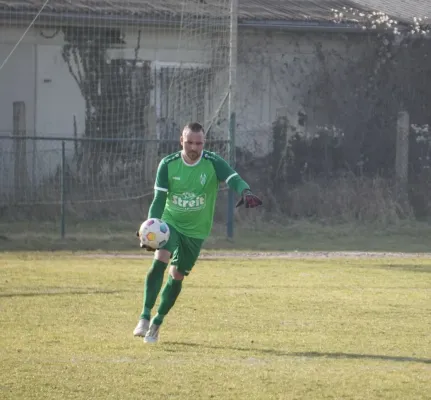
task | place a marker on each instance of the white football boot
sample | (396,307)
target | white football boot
(142,328)
(152,335)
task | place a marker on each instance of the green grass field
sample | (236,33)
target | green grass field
(340,328)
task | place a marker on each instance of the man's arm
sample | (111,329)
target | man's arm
(225,173)
(157,205)
(161,189)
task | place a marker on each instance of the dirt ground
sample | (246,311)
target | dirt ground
(285,255)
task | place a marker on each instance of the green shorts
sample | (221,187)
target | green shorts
(184,250)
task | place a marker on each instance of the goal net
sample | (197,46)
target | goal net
(101,91)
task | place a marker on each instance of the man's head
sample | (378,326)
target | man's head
(192,140)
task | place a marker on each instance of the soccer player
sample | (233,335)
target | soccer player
(186,189)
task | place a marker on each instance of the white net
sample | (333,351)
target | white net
(100,92)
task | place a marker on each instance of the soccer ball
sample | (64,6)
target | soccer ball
(154,233)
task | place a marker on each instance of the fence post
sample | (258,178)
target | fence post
(150,146)
(63,190)
(20,145)
(402,157)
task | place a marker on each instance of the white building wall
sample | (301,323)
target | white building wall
(37,74)
(17,84)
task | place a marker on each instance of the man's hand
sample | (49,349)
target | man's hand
(249,199)
(143,246)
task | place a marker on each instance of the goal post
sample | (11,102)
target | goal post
(233,54)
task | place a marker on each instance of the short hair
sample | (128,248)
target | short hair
(194,127)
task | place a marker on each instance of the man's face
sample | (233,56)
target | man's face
(193,144)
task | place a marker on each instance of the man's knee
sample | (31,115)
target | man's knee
(163,255)
(176,275)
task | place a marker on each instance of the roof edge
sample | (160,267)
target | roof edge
(48,18)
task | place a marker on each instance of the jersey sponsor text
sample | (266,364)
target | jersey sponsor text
(188,201)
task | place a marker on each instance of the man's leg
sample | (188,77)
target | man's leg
(154,281)
(182,263)
(169,295)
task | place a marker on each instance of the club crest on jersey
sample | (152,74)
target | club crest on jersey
(203,179)
(188,201)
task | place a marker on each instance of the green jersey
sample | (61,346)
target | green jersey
(192,191)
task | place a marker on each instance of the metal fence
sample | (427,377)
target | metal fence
(70,180)
(55,176)
(36,170)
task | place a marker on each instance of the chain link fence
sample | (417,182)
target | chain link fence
(80,180)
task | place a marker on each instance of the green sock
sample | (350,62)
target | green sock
(153,284)
(169,295)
